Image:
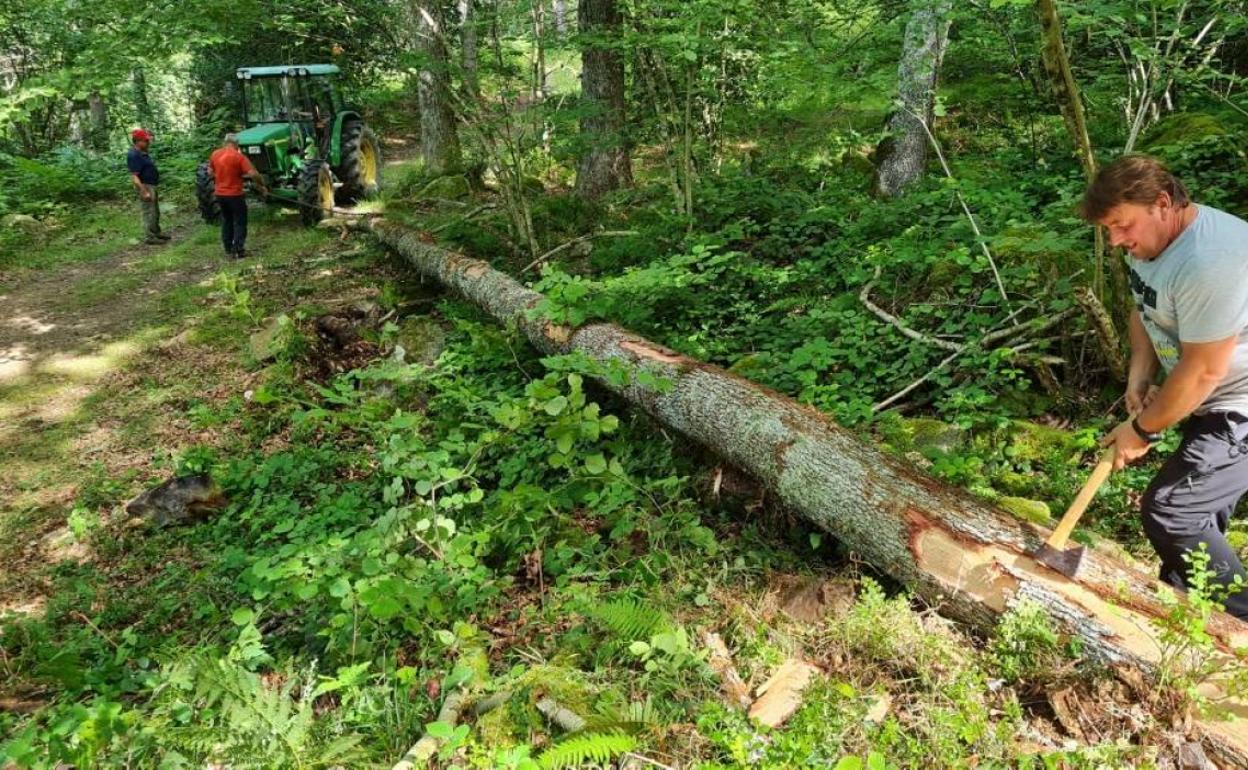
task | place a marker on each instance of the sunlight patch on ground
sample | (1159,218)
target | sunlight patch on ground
(90,366)
(23,606)
(29,324)
(14,363)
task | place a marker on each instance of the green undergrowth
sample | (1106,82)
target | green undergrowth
(494,524)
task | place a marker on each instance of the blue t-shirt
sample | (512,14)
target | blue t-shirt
(1197,291)
(142,164)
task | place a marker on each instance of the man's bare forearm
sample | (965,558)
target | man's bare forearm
(1144,361)
(1186,387)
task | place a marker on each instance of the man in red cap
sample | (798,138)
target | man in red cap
(145,177)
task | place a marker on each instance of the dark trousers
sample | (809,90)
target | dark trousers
(233,222)
(1193,497)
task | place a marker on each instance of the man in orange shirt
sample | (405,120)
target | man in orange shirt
(228,166)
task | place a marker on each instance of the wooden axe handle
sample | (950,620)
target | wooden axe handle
(1075,511)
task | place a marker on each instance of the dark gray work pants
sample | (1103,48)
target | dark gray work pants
(1193,497)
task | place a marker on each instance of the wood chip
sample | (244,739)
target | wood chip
(734,689)
(781,695)
(1192,757)
(879,708)
(1065,707)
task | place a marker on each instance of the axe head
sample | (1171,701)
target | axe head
(1067,561)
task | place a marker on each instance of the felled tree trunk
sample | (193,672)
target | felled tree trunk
(605,165)
(964,556)
(903,155)
(439,138)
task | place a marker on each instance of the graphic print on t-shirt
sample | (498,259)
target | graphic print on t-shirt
(1146,303)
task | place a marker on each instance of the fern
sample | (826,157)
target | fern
(629,619)
(597,747)
(633,718)
(252,723)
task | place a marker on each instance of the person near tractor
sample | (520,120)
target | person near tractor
(1188,269)
(228,166)
(145,177)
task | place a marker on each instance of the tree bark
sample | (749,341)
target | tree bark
(968,558)
(1062,81)
(1066,92)
(605,164)
(97,136)
(468,43)
(560,10)
(902,156)
(142,105)
(439,137)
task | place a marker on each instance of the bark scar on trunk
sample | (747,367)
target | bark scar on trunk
(558,333)
(651,352)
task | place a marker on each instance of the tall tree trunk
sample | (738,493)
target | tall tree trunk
(1113,296)
(902,156)
(1062,81)
(605,165)
(439,137)
(98,133)
(560,9)
(969,559)
(142,105)
(468,43)
(539,50)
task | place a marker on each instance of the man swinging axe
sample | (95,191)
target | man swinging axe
(1188,268)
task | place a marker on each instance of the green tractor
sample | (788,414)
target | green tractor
(311,149)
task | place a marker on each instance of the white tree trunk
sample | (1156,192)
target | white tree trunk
(468,42)
(903,156)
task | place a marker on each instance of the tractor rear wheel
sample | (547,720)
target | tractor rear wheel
(360,170)
(205,195)
(316,192)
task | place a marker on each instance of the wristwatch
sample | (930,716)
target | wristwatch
(1151,438)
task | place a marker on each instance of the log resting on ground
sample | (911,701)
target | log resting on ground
(964,556)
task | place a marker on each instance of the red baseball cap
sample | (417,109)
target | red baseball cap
(138,134)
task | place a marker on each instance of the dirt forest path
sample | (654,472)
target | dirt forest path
(50,318)
(67,333)
(107,346)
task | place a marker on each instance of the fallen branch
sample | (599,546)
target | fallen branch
(424,749)
(574,241)
(564,718)
(1106,335)
(865,297)
(469,215)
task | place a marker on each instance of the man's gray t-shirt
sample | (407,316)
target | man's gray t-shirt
(1197,291)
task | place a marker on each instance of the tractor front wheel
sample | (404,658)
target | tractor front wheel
(316,192)
(206,196)
(360,170)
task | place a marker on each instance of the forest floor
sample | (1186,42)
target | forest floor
(121,364)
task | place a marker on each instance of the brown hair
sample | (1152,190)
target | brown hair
(1131,179)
